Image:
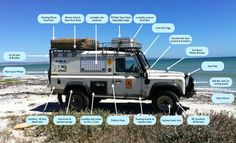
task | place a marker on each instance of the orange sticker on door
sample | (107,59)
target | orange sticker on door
(128,83)
(109,62)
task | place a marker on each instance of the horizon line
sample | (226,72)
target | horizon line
(164,58)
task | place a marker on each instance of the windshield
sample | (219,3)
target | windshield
(144,61)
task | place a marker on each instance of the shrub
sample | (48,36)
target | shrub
(222,129)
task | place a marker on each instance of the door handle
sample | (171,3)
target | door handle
(117,81)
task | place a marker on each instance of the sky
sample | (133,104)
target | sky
(211,23)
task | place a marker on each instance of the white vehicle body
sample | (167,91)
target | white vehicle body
(127,70)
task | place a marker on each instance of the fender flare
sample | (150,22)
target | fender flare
(163,86)
(76,84)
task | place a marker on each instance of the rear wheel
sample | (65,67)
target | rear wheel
(79,100)
(163,100)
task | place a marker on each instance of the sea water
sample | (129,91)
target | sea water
(186,65)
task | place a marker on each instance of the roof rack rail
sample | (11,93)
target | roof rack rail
(117,44)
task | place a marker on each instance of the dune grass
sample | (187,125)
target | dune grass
(222,128)
(8,81)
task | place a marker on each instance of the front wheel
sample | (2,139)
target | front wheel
(165,101)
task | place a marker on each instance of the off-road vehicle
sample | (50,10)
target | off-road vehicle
(86,66)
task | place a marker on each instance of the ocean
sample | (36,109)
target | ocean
(187,65)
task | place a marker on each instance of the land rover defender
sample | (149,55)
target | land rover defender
(86,66)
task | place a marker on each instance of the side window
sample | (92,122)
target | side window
(120,64)
(127,64)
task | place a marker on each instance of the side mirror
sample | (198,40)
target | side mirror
(147,81)
(145,75)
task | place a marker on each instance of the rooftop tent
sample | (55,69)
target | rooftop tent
(69,43)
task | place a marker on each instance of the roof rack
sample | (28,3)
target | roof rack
(117,44)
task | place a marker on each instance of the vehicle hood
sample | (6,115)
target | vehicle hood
(162,73)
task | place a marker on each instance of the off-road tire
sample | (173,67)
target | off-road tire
(162,99)
(79,100)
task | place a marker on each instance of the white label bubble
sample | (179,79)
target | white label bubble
(72,18)
(180,39)
(96,18)
(197,51)
(48,18)
(144,120)
(171,120)
(118,120)
(198,120)
(222,98)
(14,56)
(37,120)
(212,66)
(120,18)
(13,71)
(64,120)
(91,120)
(220,82)
(144,18)
(163,27)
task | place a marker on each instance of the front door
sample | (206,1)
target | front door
(127,80)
